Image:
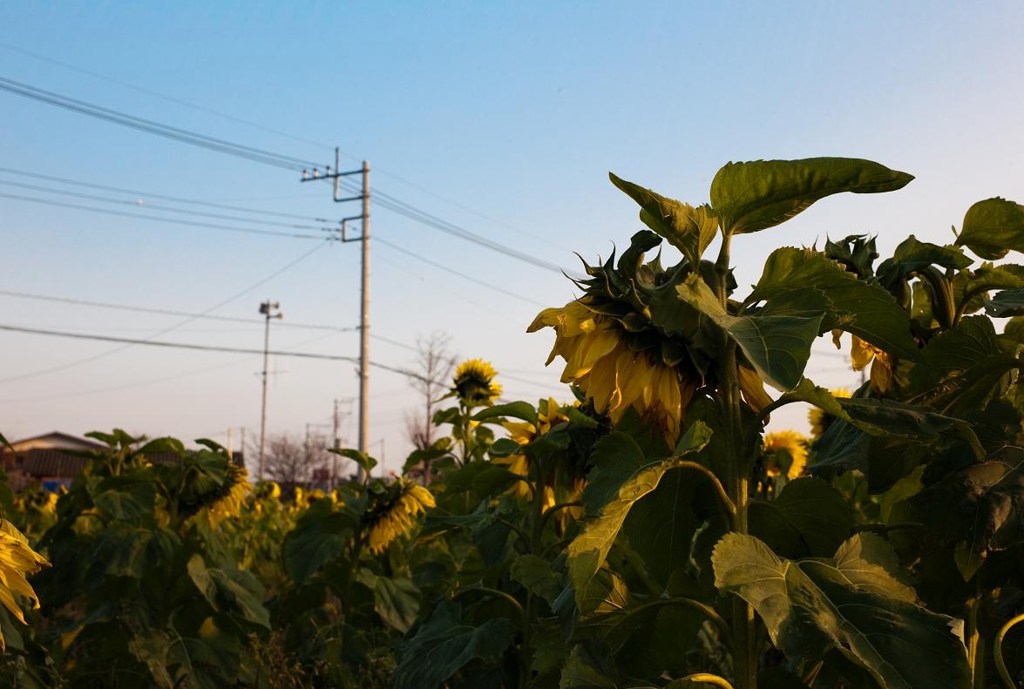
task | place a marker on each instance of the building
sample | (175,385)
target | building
(52,459)
(55,459)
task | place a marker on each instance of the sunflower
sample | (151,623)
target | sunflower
(863,353)
(396,513)
(17,561)
(820,420)
(785,452)
(268,490)
(600,362)
(230,505)
(474,383)
(549,414)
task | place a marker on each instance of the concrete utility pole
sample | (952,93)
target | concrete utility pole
(267,308)
(336,174)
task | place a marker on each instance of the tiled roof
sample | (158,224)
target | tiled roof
(52,463)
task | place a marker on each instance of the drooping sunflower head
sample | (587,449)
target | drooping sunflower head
(474,383)
(615,347)
(785,454)
(17,562)
(268,490)
(234,492)
(863,353)
(820,420)
(394,512)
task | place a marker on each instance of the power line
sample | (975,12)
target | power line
(152,127)
(424,218)
(153,218)
(166,312)
(164,197)
(262,156)
(140,203)
(150,381)
(157,94)
(255,125)
(199,347)
(452,271)
(216,306)
(255,231)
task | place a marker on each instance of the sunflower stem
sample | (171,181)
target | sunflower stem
(738,479)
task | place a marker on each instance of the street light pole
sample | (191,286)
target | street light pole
(267,308)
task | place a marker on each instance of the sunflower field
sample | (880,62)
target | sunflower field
(647,531)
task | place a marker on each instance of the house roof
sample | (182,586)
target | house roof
(50,463)
(55,440)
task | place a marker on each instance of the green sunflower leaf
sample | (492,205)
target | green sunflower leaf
(687,228)
(913,255)
(851,603)
(803,277)
(588,550)
(757,195)
(992,228)
(446,643)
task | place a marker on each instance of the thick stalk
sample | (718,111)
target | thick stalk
(744,656)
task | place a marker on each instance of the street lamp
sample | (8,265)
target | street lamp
(268,309)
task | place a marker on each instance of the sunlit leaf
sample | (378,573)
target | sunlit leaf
(365,461)
(777,346)
(992,228)
(517,410)
(756,195)
(864,309)
(912,255)
(687,228)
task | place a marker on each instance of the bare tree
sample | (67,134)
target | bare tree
(435,364)
(291,461)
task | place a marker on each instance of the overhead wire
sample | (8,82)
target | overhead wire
(452,271)
(195,316)
(215,226)
(153,218)
(141,203)
(189,319)
(162,96)
(166,312)
(150,381)
(201,347)
(152,127)
(164,197)
(382,198)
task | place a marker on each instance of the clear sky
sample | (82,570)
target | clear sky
(500,118)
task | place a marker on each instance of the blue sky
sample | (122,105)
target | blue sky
(501,118)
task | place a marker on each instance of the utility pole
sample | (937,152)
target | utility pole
(336,444)
(268,309)
(335,175)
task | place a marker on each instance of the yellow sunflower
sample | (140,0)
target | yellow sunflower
(397,514)
(818,419)
(230,506)
(17,561)
(863,353)
(600,362)
(549,414)
(785,451)
(474,383)
(268,490)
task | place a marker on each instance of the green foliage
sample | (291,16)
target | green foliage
(643,536)
(754,196)
(850,602)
